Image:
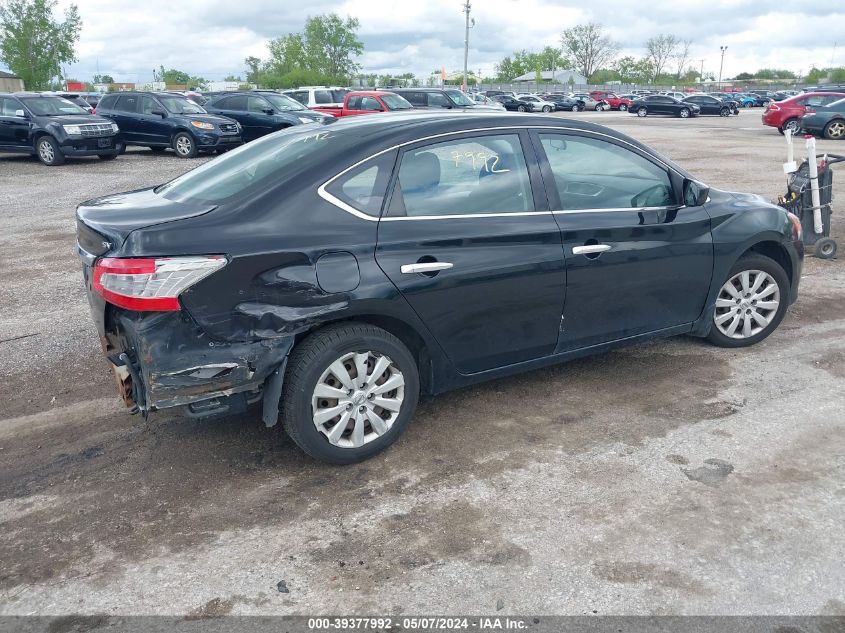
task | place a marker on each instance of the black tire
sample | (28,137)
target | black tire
(754,261)
(575,108)
(835,130)
(184,145)
(547,109)
(825,248)
(725,112)
(642,112)
(623,107)
(48,151)
(684,113)
(307,363)
(158,150)
(107,156)
(792,124)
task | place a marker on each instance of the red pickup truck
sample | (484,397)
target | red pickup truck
(615,102)
(367,102)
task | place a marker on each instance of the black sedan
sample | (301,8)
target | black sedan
(563,102)
(710,105)
(663,104)
(334,273)
(513,104)
(261,113)
(827,121)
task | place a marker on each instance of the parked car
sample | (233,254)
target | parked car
(360,102)
(827,121)
(497,93)
(615,101)
(729,98)
(75,98)
(786,115)
(540,104)
(319,96)
(439,98)
(484,100)
(341,272)
(663,104)
(262,113)
(709,105)
(563,102)
(162,120)
(680,96)
(589,103)
(512,103)
(746,100)
(52,128)
(92,99)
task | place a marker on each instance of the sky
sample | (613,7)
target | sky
(210,38)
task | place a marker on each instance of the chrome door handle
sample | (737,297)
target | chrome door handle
(427,267)
(589,250)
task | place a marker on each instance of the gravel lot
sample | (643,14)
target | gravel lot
(669,478)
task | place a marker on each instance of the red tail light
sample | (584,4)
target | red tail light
(772,108)
(151,284)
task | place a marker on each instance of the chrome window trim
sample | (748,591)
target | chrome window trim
(325,195)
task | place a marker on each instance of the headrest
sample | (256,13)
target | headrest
(419,172)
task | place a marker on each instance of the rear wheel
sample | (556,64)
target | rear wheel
(349,392)
(747,104)
(835,130)
(751,303)
(792,125)
(184,145)
(641,112)
(49,152)
(622,107)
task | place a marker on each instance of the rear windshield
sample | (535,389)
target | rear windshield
(260,164)
(180,105)
(51,106)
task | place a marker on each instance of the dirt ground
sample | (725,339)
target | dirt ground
(669,478)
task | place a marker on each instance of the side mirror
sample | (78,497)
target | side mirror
(20,113)
(268,111)
(695,193)
(159,112)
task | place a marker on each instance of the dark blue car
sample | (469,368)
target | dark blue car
(162,120)
(334,273)
(261,113)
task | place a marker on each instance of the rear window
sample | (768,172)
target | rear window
(323,97)
(263,163)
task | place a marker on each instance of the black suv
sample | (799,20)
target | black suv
(260,113)
(159,120)
(439,98)
(52,128)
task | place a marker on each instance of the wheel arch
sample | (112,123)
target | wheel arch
(773,250)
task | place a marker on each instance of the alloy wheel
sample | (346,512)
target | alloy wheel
(684,113)
(791,125)
(747,304)
(46,152)
(642,112)
(835,130)
(357,399)
(184,146)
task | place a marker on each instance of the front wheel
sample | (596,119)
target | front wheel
(622,107)
(725,112)
(751,303)
(642,112)
(521,108)
(835,130)
(49,152)
(547,109)
(349,392)
(575,107)
(684,113)
(183,144)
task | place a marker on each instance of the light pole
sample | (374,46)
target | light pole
(701,74)
(721,64)
(467,7)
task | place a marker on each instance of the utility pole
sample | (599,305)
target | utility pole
(701,73)
(467,7)
(721,64)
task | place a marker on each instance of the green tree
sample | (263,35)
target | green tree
(34,44)
(103,79)
(331,44)
(587,48)
(233,78)
(744,76)
(253,72)
(633,71)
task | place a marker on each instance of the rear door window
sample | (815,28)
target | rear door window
(127,103)
(474,175)
(438,100)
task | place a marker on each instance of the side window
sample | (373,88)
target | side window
(322,97)
(257,104)
(438,100)
(416,98)
(354,103)
(482,174)
(814,101)
(127,103)
(370,103)
(8,107)
(237,103)
(364,187)
(148,105)
(594,174)
(299,95)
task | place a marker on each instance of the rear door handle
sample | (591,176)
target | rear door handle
(426,267)
(590,249)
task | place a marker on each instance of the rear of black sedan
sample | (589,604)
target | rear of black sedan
(335,272)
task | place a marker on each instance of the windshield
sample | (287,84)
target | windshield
(180,105)
(52,106)
(281,102)
(459,98)
(260,164)
(395,102)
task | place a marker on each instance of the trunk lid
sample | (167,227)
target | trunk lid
(114,217)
